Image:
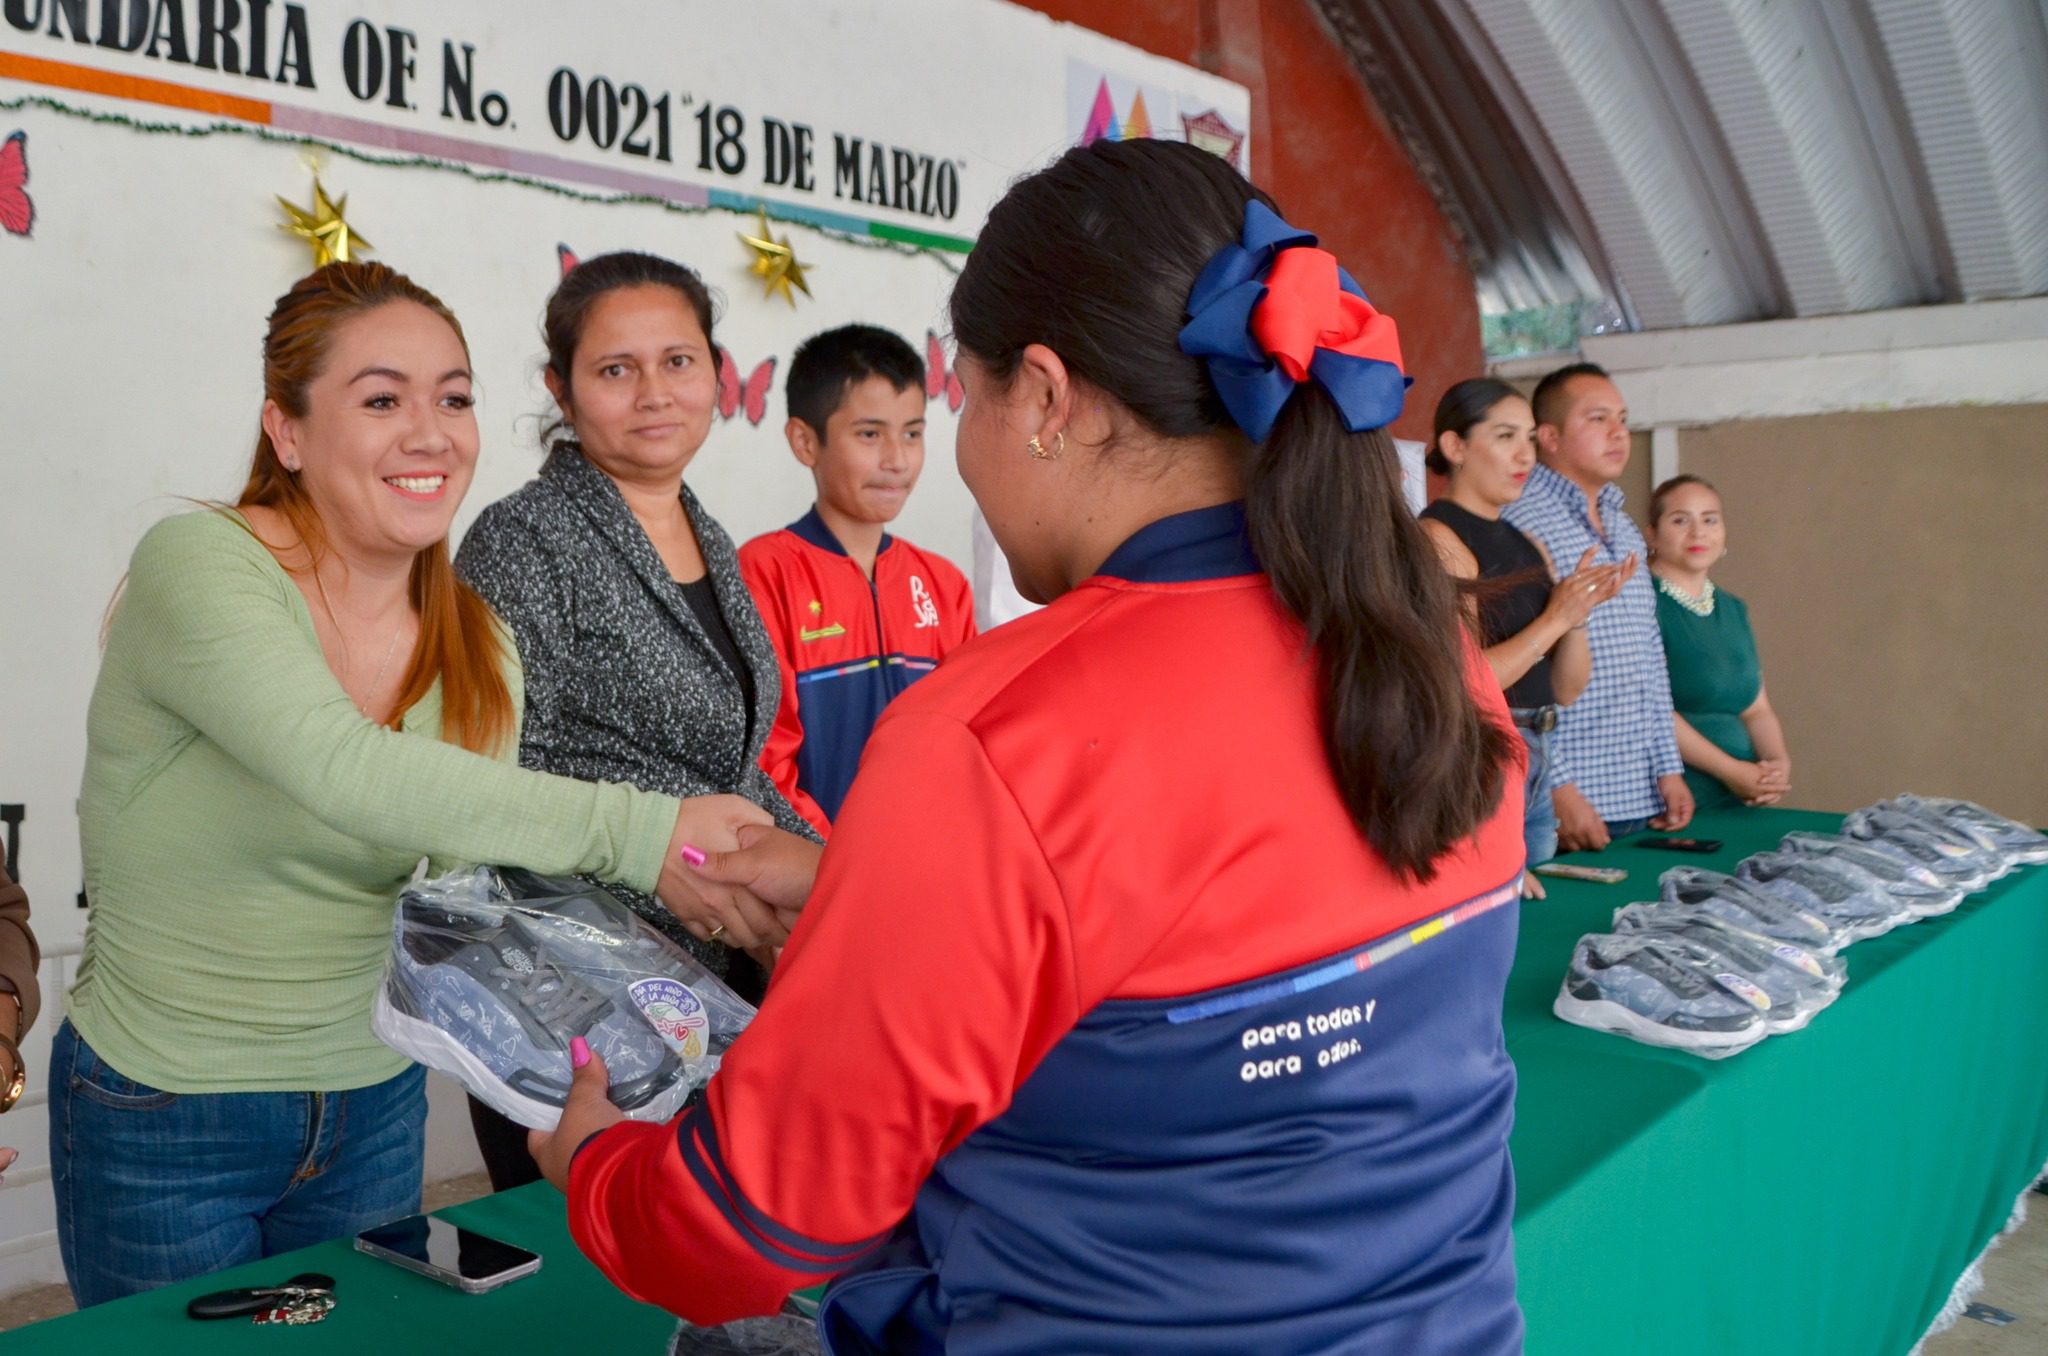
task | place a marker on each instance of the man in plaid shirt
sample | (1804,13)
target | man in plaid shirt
(1615,750)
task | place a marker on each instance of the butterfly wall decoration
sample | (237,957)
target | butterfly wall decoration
(750,394)
(939,380)
(17,211)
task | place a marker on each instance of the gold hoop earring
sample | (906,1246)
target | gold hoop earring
(1037,449)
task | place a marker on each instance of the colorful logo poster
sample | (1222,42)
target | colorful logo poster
(1106,105)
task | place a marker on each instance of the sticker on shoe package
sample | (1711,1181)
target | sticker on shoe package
(1746,991)
(1802,960)
(676,1013)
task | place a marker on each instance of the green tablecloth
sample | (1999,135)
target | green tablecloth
(1819,1193)
(567,1309)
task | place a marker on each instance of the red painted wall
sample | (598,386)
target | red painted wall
(1320,146)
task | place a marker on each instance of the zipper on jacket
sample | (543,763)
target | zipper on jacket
(875,597)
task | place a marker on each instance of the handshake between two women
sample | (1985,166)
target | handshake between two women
(732,876)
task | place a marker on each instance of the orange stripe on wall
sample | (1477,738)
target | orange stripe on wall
(63,74)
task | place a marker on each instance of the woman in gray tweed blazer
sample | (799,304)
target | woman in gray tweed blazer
(644,658)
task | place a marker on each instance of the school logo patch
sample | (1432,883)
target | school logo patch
(921,600)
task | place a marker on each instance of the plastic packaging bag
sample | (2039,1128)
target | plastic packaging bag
(1956,858)
(2020,844)
(1660,990)
(1832,971)
(493,970)
(1798,982)
(1904,878)
(1747,906)
(1848,897)
(783,1334)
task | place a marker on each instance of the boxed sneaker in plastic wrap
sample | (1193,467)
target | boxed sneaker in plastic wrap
(494,970)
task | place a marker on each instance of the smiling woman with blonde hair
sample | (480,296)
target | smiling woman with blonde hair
(298,701)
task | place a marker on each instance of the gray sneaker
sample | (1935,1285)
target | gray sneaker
(495,1001)
(1851,900)
(1654,990)
(1748,906)
(685,1003)
(2022,845)
(1798,983)
(1903,877)
(1956,858)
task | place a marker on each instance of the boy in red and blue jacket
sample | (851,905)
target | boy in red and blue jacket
(855,614)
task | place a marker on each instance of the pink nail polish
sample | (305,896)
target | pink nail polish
(694,856)
(579,1052)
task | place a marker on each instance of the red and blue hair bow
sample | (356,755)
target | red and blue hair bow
(1272,311)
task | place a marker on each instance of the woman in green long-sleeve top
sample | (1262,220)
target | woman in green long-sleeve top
(297,702)
(1730,738)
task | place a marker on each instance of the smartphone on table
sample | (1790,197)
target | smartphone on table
(448,1253)
(1701,845)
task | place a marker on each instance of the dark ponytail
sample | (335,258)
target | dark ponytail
(1094,258)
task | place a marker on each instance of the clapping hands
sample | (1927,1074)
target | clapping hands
(1588,585)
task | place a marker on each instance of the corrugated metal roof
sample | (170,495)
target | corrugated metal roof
(1698,162)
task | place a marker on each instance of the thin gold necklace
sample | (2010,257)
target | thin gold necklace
(334,615)
(382,668)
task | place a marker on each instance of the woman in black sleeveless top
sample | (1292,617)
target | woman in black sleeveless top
(1533,628)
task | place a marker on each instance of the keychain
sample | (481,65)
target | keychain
(303,1299)
(308,1307)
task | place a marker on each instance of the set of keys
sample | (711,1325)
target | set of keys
(306,1298)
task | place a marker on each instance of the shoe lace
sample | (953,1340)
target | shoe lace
(558,999)
(1668,963)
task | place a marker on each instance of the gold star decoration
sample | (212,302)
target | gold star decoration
(325,228)
(775,262)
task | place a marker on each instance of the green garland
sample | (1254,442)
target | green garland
(902,248)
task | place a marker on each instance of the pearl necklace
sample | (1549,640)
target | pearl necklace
(1702,606)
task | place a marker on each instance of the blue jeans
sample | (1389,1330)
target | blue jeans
(1622,828)
(154,1187)
(1539,816)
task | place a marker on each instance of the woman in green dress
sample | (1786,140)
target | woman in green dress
(1730,738)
